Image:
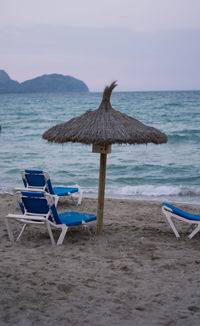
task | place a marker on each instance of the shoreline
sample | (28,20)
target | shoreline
(176,199)
(136,273)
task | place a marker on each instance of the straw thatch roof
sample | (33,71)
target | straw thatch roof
(104,126)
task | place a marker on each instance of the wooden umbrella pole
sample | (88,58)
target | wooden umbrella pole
(102,179)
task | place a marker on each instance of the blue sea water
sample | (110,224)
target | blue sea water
(156,172)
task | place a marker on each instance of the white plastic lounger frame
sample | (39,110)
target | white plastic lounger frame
(36,219)
(169,214)
(47,186)
(45,219)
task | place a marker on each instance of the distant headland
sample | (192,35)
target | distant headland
(53,83)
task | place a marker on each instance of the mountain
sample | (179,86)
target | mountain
(52,83)
(7,85)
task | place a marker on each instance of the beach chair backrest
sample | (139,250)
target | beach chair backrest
(38,203)
(34,203)
(37,179)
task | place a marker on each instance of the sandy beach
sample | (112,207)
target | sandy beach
(136,273)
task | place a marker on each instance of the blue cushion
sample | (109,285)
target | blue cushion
(64,191)
(181,213)
(34,203)
(35,180)
(75,218)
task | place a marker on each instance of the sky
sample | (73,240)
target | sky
(143,44)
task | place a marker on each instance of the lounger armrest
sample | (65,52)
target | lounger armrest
(29,189)
(26,217)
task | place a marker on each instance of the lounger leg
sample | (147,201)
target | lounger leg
(56,200)
(80,197)
(9,229)
(168,217)
(85,226)
(22,230)
(173,226)
(72,198)
(62,234)
(197,229)
(50,233)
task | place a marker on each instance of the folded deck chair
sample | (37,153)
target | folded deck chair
(38,208)
(174,212)
(40,180)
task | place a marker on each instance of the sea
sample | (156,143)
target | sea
(167,172)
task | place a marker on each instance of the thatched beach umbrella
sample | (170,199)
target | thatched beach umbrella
(102,128)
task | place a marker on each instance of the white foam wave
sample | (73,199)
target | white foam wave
(147,192)
(178,193)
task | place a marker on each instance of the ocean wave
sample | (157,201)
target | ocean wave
(177,104)
(156,191)
(182,193)
(184,136)
(6,189)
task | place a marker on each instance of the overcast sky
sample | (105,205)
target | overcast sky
(143,44)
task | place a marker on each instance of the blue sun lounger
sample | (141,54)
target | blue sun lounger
(171,211)
(40,180)
(38,208)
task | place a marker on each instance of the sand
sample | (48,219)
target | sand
(136,273)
